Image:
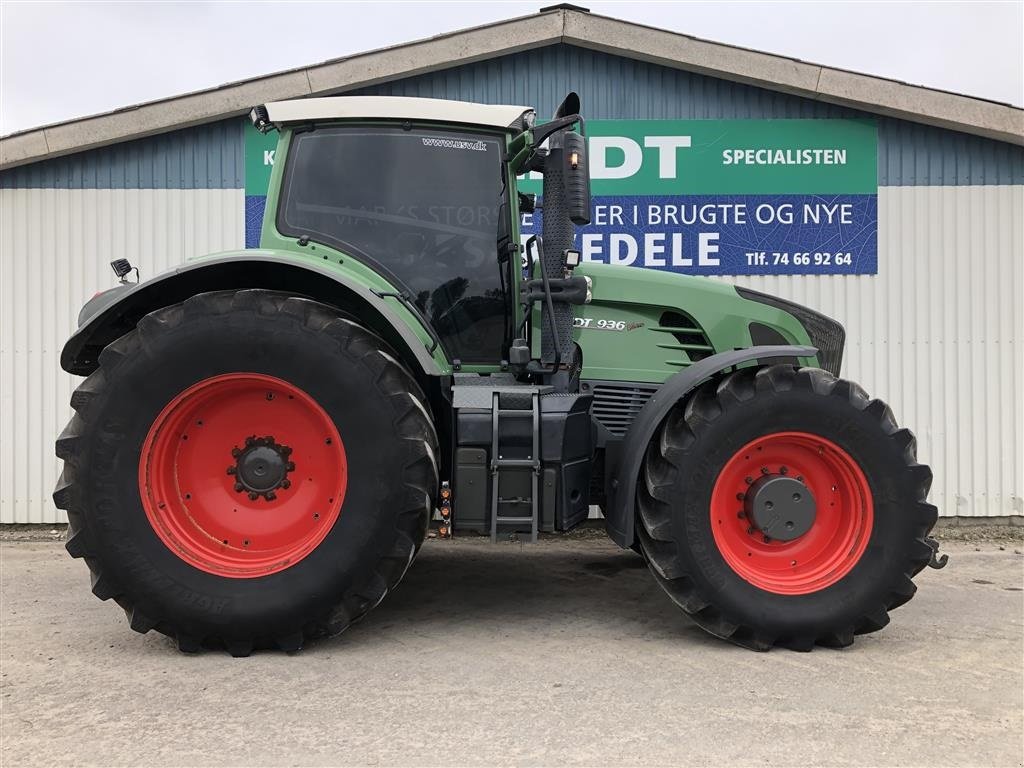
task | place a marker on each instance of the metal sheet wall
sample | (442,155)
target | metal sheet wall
(939,334)
(55,247)
(211,156)
(202,157)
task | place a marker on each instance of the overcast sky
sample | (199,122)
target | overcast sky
(61,60)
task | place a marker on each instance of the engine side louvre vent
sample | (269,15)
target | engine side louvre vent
(683,334)
(617,404)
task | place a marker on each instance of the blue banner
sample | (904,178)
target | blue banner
(732,234)
(254,206)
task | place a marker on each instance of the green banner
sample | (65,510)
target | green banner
(731,157)
(259,159)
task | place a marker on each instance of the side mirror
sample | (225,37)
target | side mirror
(570,106)
(576,177)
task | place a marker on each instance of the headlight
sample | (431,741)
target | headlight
(825,333)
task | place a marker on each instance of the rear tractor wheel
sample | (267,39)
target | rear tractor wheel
(784,507)
(247,470)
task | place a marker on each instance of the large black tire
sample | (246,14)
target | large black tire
(376,406)
(674,521)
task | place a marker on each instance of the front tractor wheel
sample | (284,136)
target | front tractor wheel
(784,507)
(247,470)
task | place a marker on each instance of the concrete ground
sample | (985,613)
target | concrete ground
(561,653)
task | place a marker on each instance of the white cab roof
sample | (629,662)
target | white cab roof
(394,108)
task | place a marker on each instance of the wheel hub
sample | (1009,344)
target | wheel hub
(261,468)
(221,506)
(754,502)
(782,508)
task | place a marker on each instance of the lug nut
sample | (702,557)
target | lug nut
(767,539)
(783,471)
(231,470)
(238,486)
(751,530)
(748,480)
(235,453)
(270,495)
(253,496)
(250,441)
(286,483)
(740,496)
(764,470)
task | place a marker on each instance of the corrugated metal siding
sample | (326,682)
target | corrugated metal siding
(55,246)
(939,335)
(211,156)
(204,157)
(612,87)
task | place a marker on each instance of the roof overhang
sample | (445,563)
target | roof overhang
(500,116)
(557,25)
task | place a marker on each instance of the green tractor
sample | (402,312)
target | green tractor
(264,437)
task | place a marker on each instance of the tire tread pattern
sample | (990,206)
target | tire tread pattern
(662,466)
(413,500)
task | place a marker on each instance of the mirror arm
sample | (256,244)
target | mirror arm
(542,132)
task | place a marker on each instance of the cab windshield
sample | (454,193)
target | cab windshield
(420,206)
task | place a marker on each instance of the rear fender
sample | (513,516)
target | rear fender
(619,515)
(114,313)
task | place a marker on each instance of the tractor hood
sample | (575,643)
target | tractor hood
(644,325)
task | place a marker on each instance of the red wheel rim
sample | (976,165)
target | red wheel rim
(836,538)
(243,430)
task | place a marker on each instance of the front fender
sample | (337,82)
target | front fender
(114,313)
(619,515)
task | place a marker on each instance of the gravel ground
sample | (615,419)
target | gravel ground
(561,653)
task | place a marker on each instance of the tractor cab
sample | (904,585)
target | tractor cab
(424,193)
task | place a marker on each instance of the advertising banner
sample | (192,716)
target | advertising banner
(707,197)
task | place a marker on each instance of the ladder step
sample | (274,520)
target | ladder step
(503,463)
(498,465)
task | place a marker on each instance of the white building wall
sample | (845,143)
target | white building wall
(55,250)
(937,333)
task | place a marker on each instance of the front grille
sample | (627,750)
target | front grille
(825,333)
(617,404)
(685,336)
